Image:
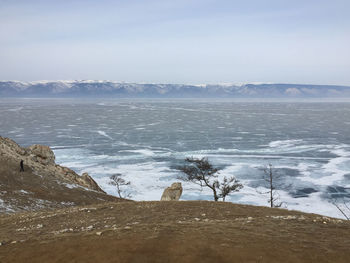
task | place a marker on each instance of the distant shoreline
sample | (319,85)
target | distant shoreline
(122,90)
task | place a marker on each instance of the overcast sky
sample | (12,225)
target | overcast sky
(185,41)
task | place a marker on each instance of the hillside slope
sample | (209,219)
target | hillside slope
(43,184)
(193,231)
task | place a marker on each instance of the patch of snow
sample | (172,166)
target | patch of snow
(24,192)
(5,208)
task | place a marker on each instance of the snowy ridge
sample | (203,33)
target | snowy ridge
(108,88)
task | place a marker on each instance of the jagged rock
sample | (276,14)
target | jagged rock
(43,154)
(7,143)
(90,183)
(172,193)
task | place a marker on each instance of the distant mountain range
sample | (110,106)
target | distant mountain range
(110,89)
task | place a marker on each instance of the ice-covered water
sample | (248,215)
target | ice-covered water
(145,140)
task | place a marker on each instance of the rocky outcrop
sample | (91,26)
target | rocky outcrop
(41,158)
(42,154)
(10,147)
(89,182)
(172,193)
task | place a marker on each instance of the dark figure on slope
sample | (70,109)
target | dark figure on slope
(22,166)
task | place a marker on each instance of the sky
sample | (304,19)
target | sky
(184,41)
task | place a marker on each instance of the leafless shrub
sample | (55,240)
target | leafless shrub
(119,182)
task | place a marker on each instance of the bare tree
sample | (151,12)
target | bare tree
(270,177)
(202,172)
(340,197)
(119,182)
(343,207)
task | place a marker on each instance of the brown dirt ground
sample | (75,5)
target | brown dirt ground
(188,231)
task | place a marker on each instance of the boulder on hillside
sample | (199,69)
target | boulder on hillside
(172,193)
(90,183)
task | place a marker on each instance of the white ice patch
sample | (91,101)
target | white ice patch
(334,170)
(74,158)
(148,180)
(102,133)
(145,152)
(284,143)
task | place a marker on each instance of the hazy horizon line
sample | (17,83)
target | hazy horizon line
(233,83)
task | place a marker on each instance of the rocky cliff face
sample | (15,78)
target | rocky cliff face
(43,184)
(41,158)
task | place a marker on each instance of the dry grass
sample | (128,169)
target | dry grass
(173,232)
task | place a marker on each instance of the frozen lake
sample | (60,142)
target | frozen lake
(145,140)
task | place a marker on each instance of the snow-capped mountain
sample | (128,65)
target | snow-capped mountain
(92,88)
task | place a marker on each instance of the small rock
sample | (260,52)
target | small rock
(127,227)
(197,219)
(14,242)
(98,233)
(291,217)
(89,227)
(203,215)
